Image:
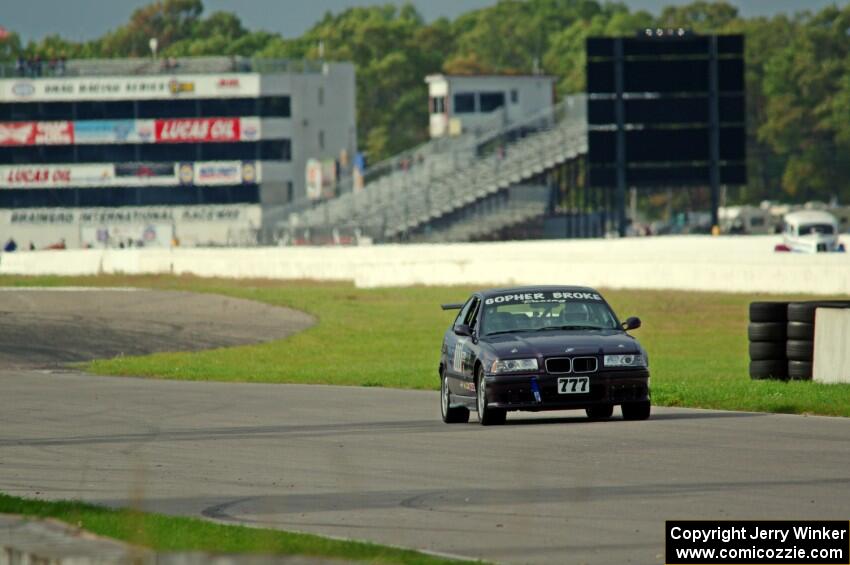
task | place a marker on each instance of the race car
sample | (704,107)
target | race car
(541,348)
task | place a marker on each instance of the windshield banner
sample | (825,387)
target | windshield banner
(541,297)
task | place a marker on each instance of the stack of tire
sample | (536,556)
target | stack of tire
(767,335)
(782,338)
(800,347)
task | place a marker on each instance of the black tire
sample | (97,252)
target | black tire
(451,415)
(636,410)
(800,330)
(769,369)
(799,350)
(486,416)
(805,311)
(766,331)
(766,350)
(768,311)
(800,370)
(600,412)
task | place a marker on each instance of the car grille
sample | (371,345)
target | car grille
(562,365)
(559,365)
(821,247)
(585,365)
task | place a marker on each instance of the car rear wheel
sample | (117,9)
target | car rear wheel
(636,410)
(487,416)
(456,415)
(602,412)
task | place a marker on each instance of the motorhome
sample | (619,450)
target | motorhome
(746,220)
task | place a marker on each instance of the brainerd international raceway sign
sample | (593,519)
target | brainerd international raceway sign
(204,173)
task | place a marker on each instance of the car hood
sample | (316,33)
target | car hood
(550,343)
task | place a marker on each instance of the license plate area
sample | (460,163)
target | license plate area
(573,385)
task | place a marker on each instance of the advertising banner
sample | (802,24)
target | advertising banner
(227,85)
(113,131)
(92,132)
(329,178)
(127,235)
(218,173)
(321,177)
(313,175)
(145,170)
(194,130)
(55,176)
(249,129)
(206,173)
(37,133)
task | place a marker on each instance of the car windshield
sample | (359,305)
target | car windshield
(544,311)
(812,229)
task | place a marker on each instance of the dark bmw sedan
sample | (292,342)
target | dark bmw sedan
(541,348)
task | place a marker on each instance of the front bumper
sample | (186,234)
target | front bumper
(515,392)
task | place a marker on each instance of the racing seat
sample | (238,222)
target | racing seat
(500,322)
(575,313)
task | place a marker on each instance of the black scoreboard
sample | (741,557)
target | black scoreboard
(666,108)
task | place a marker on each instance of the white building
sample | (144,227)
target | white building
(460,103)
(202,150)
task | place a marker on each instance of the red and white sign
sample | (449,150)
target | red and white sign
(228,83)
(193,130)
(54,176)
(205,173)
(88,132)
(36,133)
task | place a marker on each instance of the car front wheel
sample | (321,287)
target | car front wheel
(457,415)
(636,410)
(601,412)
(487,416)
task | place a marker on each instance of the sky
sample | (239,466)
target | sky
(87,19)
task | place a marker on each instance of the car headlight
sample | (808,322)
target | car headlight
(628,360)
(513,366)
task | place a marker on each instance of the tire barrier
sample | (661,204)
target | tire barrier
(800,330)
(768,340)
(781,338)
(800,370)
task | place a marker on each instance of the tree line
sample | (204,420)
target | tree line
(797,77)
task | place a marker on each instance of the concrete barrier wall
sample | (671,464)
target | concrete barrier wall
(832,346)
(725,264)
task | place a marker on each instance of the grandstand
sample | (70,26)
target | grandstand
(455,189)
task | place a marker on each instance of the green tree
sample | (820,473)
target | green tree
(701,16)
(169,21)
(804,89)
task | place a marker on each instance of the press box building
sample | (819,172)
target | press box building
(461,103)
(204,151)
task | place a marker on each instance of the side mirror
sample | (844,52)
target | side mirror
(632,323)
(463,329)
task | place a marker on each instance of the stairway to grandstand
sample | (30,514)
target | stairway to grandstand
(449,190)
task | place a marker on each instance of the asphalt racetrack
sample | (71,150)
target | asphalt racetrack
(378,464)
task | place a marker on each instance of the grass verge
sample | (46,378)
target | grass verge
(172,533)
(391,337)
